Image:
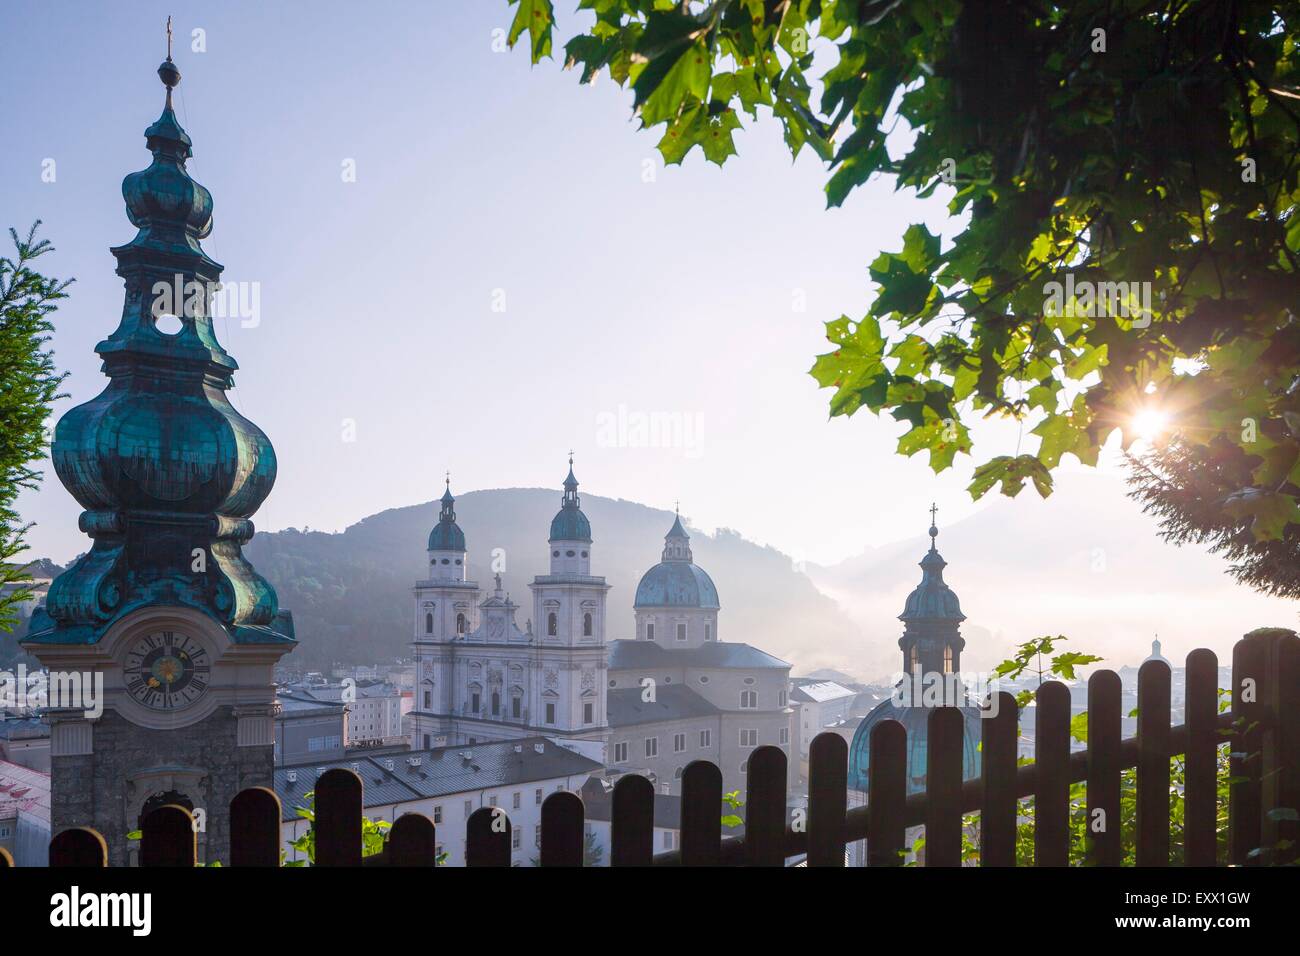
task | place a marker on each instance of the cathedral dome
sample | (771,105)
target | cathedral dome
(446,534)
(916,721)
(676,581)
(675,584)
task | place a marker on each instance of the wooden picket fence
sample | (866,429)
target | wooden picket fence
(1262,729)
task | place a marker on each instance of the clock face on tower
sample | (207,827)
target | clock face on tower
(166,670)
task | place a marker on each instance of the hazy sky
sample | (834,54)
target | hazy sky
(479,181)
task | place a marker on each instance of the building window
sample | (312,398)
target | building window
(515,841)
(677,774)
(492,801)
(744,766)
(586,624)
(550,713)
(460,623)
(588,713)
(785,735)
(781,699)
(915,660)
(437,814)
(704,678)
(496,703)
(947,659)
(428,624)
(428,741)
(708,632)
(620,752)
(537,796)
(552,625)
(428,699)
(748,700)
(652,746)
(514,706)
(469,808)
(537,835)
(679,743)
(748,737)
(649,630)
(681,632)
(514,800)
(668,839)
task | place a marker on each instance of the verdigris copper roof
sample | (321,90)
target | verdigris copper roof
(915,721)
(676,581)
(932,599)
(164,466)
(570,524)
(446,534)
(675,584)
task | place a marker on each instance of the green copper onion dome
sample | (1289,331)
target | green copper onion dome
(168,472)
(569,523)
(676,581)
(446,534)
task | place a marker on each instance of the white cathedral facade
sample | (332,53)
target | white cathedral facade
(479,677)
(672,694)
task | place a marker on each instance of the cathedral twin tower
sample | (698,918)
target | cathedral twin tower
(479,677)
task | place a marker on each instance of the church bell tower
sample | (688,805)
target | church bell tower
(164,612)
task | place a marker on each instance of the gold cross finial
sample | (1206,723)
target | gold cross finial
(169,38)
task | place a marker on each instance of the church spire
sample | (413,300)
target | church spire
(164,465)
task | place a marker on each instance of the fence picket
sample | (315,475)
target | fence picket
(943,775)
(632,820)
(413,841)
(79,846)
(1153,764)
(828,775)
(1200,792)
(1280,766)
(1105,736)
(765,807)
(168,838)
(701,814)
(1052,760)
(886,793)
(998,773)
(1246,740)
(338,807)
(562,830)
(488,837)
(255,828)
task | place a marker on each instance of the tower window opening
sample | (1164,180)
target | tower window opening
(552,625)
(914,660)
(586,624)
(496,704)
(947,660)
(428,624)
(460,623)
(649,630)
